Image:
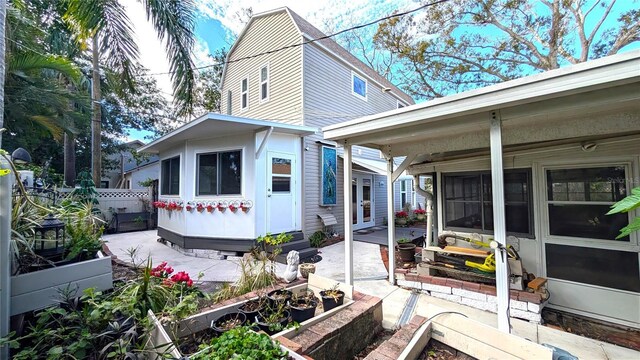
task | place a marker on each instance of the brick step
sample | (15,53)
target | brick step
(392,348)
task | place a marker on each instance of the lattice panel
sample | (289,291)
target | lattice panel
(133,194)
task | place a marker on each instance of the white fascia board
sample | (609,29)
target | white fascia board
(583,77)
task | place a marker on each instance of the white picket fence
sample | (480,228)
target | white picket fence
(111,201)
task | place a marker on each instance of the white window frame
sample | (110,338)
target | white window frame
(268,82)
(244,93)
(160,182)
(230,102)
(366,86)
(196,178)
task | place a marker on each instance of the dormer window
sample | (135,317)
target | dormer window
(264,84)
(244,94)
(359,86)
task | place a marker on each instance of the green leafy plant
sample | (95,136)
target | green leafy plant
(86,190)
(403,241)
(275,242)
(318,238)
(256,272)
(241,343)
(625,205)
(147,182)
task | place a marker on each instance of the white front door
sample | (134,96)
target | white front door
(281,190)
(362,200)
(589,270)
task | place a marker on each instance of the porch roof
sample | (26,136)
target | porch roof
(594,98)
(218,125)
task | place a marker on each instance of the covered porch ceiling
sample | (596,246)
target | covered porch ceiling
(597,99)
(213,125)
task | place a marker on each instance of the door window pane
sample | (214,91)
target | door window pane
(207,174)
(608,268)
(281,166)
(230,171)
(606,184)
(366,200)
(281,183)
(354,200)
(586,221)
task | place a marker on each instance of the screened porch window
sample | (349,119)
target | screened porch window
(468,201)
(219,173)
(170,175)
(578,200)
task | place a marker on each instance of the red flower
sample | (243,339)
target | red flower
(233,208)
(221,207)
(419,211)
(210,208)
(402,214)
(189,207)
(200,207)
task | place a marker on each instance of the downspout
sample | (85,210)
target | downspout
(428,196)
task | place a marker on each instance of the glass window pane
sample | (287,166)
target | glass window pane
(359,86)
(608,268)
(263,74)
(244,100)
(263,91)
(281,183)
(175,176)
(207,174)
(230,172)
(462,187)
(605,184)
(244,85)
(464,215)
(585,221)
(229,102)
(354,200)
(166,165)
(281,166)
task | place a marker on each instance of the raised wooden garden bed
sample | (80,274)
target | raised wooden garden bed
(43,288)
(162,336)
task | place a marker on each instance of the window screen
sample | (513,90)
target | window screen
(170,175)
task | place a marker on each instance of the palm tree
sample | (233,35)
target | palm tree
(35,94)
(108,27)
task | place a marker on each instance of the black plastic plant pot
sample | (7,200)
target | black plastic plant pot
(251,314)
(407,252)
(329,301)
(228,321)
(273,328)
(279,296)
(302,310)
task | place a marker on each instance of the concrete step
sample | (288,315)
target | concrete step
(295,245)
(305,254)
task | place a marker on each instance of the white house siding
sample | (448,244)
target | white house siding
(150,171)
(267,33)
(609,151)
(328,99)
(419,199)
(380,196)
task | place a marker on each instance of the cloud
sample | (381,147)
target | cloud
(336,12)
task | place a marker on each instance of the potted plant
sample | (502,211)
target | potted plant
(421,214)
(279,296)
(406,249)
(251,308)
(228,321)
(332,298)
(306,269)
(242,343)
(273,319)
(402,217)
(303,306)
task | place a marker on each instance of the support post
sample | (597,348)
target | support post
(348,211)
(391,224)
(499,223)
(6,183)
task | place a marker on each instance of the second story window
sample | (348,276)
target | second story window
(244,94)
(358,86)
(229,102)
(264,84)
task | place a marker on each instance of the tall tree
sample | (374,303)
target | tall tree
(109,28)
(208,85)
(464,44)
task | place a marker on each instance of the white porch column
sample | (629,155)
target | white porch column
(391,224)
(348,215)
(499,223)
(6,183)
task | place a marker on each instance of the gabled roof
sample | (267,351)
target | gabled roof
(310,32)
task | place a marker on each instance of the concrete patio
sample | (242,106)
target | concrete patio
(399,304)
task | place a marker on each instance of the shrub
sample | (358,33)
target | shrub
(317,239)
